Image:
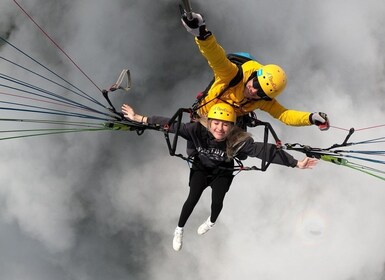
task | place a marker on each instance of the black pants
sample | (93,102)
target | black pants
(200,179)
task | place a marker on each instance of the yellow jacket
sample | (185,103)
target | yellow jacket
(224,71)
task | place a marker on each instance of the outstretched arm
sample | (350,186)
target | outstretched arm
(271,154)
(185,131)
(209,48)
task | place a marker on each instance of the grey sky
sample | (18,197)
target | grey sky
(104,205)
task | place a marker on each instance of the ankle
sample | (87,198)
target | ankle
(179,229)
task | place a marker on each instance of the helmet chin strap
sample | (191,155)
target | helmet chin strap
(264,96)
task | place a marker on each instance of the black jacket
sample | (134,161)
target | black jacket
(212,153)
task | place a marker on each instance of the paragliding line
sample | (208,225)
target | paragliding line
(57,45)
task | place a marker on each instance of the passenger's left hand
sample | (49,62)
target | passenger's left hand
(307,163)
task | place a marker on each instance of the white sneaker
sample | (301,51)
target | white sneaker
(178,239)
(205,227)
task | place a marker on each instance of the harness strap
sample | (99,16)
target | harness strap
(124,76)
(238,77)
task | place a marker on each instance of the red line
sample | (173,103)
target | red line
(370,127)
(57,45)
(358,129)
(340,128)
(44,101)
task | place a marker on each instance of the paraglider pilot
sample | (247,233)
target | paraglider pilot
(258,87)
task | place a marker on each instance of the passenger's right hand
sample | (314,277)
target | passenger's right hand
(129,113)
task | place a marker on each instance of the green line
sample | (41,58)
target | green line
(334,159)
(367,172)
(53,122)
(52,133)
(111,126)
(117,126)
(43,129)
(345,162)
(95,126)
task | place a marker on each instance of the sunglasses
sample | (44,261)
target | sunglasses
(260,92)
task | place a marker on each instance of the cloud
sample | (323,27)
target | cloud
(98,205)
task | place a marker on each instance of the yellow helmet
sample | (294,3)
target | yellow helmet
(222,112)
(272,79)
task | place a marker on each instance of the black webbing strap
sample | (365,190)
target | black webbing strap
(268,129)
(238,77)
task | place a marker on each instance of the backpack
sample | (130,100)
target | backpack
(238,58)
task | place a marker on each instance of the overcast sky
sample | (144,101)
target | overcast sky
(105,205)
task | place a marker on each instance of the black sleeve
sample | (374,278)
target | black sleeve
(273,155)
(186,130)
(158,120)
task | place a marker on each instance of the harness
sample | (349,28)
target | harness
(265,163)
(237,58)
